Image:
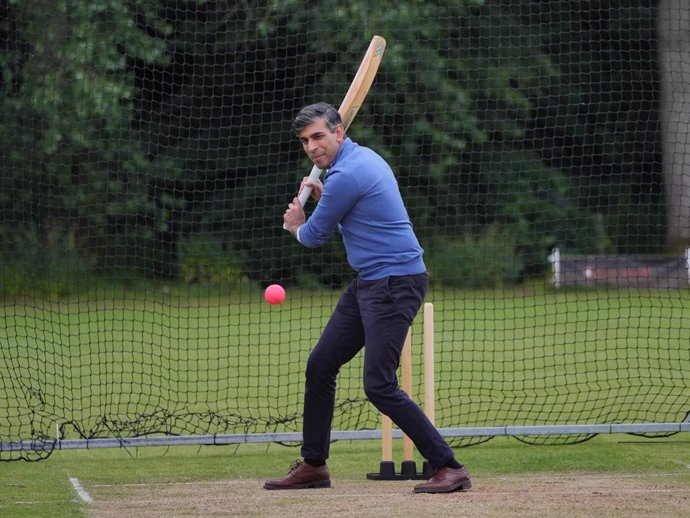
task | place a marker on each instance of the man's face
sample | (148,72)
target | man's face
(320,144)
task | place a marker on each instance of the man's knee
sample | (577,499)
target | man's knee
(379,391)
(320,366)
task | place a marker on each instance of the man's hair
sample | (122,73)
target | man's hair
(314,112)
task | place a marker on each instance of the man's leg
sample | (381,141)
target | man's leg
(388,307)
(341,340)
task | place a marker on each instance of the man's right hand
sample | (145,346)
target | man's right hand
(316,187)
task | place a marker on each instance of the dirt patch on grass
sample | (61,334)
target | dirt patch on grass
(565,496)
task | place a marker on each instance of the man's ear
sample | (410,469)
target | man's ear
(339,133)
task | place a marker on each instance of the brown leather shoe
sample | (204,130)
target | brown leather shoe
(445,480)
(301,476)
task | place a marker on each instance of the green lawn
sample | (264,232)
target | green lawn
(188,364)
(172,361)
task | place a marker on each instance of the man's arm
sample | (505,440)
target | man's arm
(339,196)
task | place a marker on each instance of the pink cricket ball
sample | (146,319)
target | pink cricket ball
(274,294)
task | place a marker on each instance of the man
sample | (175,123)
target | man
(360,197)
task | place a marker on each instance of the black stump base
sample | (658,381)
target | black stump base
(408,471)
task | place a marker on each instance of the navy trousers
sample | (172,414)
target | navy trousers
(374,315)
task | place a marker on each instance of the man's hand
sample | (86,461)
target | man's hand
(294,216)
(316,187)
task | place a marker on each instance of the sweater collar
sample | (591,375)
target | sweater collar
(347,144)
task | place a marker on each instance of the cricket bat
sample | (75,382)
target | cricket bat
(355,96)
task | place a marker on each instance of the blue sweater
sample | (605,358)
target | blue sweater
(362,199)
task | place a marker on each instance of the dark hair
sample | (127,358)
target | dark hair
(316,111)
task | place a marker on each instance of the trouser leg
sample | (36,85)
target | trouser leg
(388,308)
(341,340)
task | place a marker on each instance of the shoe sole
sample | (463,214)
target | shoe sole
(310,485)
(462,486)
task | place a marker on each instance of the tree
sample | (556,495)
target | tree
(674,66)
(76,174)
(451,109)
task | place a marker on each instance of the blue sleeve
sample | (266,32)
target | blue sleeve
(340,193)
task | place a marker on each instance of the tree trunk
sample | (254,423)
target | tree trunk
(673,24)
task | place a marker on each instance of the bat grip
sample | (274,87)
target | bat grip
(314,175)
(304,195)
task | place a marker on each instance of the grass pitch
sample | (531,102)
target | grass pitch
(615,476)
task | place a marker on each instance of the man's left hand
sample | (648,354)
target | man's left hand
(294,216)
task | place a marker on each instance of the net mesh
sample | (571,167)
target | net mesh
(147,161)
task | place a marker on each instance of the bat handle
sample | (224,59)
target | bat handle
(304,195)
(314,175)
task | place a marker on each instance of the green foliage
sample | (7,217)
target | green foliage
(204,260)
(597,119)
(53,271)
(65,119)
(140,127)
(485,260)
(525,204)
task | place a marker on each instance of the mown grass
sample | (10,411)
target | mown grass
(171,360)
(168,360)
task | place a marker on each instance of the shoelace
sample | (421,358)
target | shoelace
(296,464)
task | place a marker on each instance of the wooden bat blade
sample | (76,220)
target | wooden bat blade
(352,102)
(364,78)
